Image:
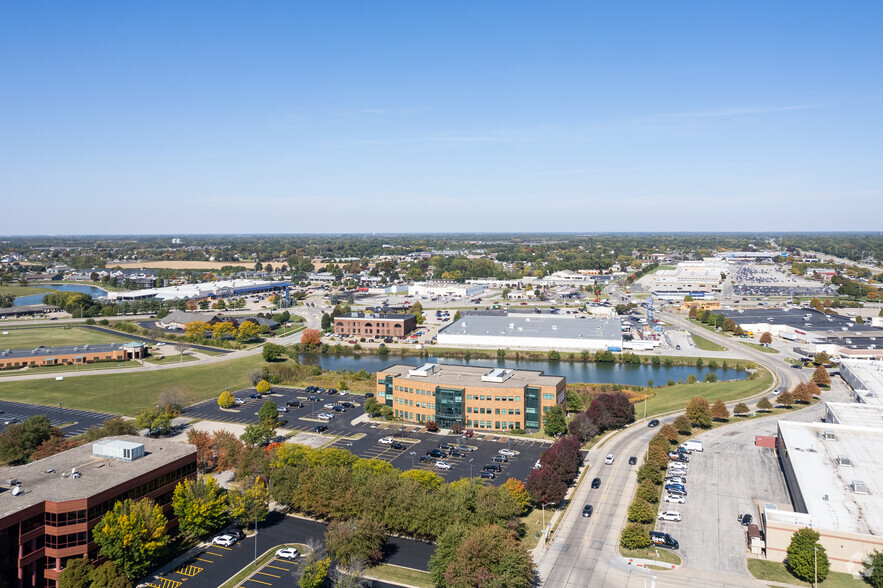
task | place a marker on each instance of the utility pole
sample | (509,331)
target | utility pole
(815,567)
(255,539)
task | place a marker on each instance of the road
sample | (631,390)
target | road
(585,551)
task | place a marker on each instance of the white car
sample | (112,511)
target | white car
(677,472)
(676,480)
(224,540)
(537,465)
(677,499)
(329,406)
(287,553)
(506,452)
(282,408)
(344,393)
(609,459)
(442,465)
(324,416)
(386,441)
(669,515)
(238,401)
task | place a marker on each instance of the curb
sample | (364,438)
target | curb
(643,563)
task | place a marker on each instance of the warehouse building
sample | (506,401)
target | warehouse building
(835,479)
(535,331)
(219,289)
(71,355)
(866,380)
(434,289)
(481,398)
(361,324)
(49,507)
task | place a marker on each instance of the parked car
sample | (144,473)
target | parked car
(329,406)
(609,459)
(676,480)
(745,519)
(492,467)
(282,409)
(320,429)
(676,472)
(653,423)
(537,465)
(676,488)
(443,465)
(295,404)
(255,395)
(445,446)
(669,515)
(675,498)
(455,453)
(633,460)
(324,416)
(596,483)
(426,459)
(488,475)
(500,458)
(468,433)
(347,405)
(587,510)
(313,398)
(369,394)
(386,441)
(224,540)
(338,408)
(663,539)
(464,448)
(438,453)
(287,553)
(397,445)
(677,456)
(235,532)
(506,452)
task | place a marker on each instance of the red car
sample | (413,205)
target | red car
(468,433)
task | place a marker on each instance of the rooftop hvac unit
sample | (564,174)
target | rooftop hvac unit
(830,435)
(859,487)
(843,460)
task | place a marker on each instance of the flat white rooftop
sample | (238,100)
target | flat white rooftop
(869,372)
(840,476)
(856,414)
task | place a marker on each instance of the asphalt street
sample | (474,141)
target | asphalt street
(215,565)
(79,420)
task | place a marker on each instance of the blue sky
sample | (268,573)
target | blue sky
(288,117)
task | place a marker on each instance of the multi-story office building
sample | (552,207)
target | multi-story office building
(475,397)
(360,324)
(49,507)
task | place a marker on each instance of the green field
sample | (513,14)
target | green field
(760,347)
(402,576)
(62,369)
(706,345)
(671,398)
(22,290)
(774,571)
(129,393)
(30,337)
(170,359)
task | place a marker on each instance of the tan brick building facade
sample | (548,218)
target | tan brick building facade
(359,324)
(476,397)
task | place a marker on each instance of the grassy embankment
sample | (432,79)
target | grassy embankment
(760,347)
(706,345)
(773,571)
(16,291)
(672,398)
(31,337)
(401,576)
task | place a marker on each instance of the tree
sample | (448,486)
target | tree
(822,358)
(226,399)
(719,411)
(195,330)
(554,355)
(802,394)
(711,377)
(311,338)
(51,446)
(582,427)
(109,575)
(272,351)
(574,401)
(669,432)
(490,556)
(650,474)
(611,411)
(807,559)
(764,404)
(545,486)
(647,491)
(519,494)
(76,573)
(326,322)
(257,435)
(250,504)
(873,568)
(691,379)
(315,573)
(741,409)
(634,536)
(785,399)
(554,421)
(456,316)
(200,505)
(222,330)
(19,441)
(766,338)
(657,457)
(133,535)
(821,377)
(155,420)
(641,511)
(248,331)
(428,479)
(683,425)
(263,387)
(171,401)
(699,412)
(812,389)
(355,540)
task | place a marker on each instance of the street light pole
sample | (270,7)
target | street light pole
(470,467)
(815,567)
(255,539)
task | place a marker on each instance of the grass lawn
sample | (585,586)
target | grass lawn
(669,398)
(263,559)
(774,571)
(30,337)
(160,360)
(129,393)
(399,575)
(534,523)
(759,347)
(23,290)
(664,555)
(706,345)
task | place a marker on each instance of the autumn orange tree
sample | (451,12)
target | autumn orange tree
(311,338)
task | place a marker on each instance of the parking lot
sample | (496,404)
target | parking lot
(362,438)
(80,419)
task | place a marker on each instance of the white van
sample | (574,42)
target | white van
(692,445)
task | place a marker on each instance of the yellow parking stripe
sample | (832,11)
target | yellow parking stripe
(215,554)
(165,583)
(205,560)
(258,581)
(277,567)
(221,547)
(188,570)
(271,575)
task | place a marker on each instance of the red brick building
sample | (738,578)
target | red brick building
(360,324)
(49,507)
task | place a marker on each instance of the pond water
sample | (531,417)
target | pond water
(612,373)
(38,298)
